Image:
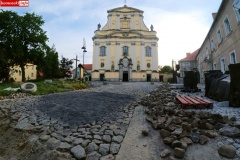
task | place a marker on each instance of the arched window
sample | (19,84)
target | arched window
(112,68)
(102,51)
(148,51)
(138,67)
(125,51)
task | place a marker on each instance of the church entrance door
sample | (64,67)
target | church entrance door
(125,76)
(148,77)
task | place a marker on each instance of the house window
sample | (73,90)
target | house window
(32,67)
(148,51)
(227,26)
(219,36)
(125,51)
(32,75)
(223,65)
(102,51)
(207,54)
(232,58)
(26,67)
(20,73)
(236,9)
(212,45)
(214,66)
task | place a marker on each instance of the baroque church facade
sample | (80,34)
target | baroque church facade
(125,49)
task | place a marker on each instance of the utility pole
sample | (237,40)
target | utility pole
(76,68)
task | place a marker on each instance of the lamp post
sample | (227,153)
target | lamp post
(84,51)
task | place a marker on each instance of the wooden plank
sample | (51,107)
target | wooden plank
(187,100)
(195,101)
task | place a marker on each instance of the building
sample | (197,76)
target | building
(221,46)
(30,72)
(88,72)
(77,73)
(125,49)
(188,63)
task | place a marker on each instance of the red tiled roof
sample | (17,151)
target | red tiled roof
(190,57)
(87,66)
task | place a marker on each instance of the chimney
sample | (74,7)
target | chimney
(214,15)
(187,54)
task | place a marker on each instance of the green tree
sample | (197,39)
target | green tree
(166,69)
(4,65)
(65,67)
(51,64)
(23,38)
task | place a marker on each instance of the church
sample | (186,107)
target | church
(125,49)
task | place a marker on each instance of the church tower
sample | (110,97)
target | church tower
(125,49)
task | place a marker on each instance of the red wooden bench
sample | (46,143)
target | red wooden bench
(194,102)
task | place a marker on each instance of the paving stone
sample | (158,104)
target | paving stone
(93,156)
(64,146)
(44,137)
(77,141)
(91,147)
(97,137)
(86,142)
(104,149)
(114,148)
(106,138)
(108,157)
(53,143)
(109,132)
(227,151)
(117,139)
(78,152)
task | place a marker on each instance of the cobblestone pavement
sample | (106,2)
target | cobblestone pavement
(90,123)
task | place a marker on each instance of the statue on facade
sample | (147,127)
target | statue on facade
(151,27)
(99,26)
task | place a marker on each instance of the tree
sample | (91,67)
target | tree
(65,67)
(166,69)
(4,65)
(51,64)
(23,38)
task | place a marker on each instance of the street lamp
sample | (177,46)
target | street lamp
(84,51)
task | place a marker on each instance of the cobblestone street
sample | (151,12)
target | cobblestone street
(90,123)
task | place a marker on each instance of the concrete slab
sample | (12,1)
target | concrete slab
(137,147)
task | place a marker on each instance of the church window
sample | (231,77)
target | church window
(148,65)
(102,51)
(125,51)
(148,51)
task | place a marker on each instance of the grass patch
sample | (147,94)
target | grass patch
(46,88)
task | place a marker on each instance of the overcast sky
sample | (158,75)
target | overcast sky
(181,25)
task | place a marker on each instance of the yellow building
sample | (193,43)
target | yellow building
(125,49)
(30,72)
